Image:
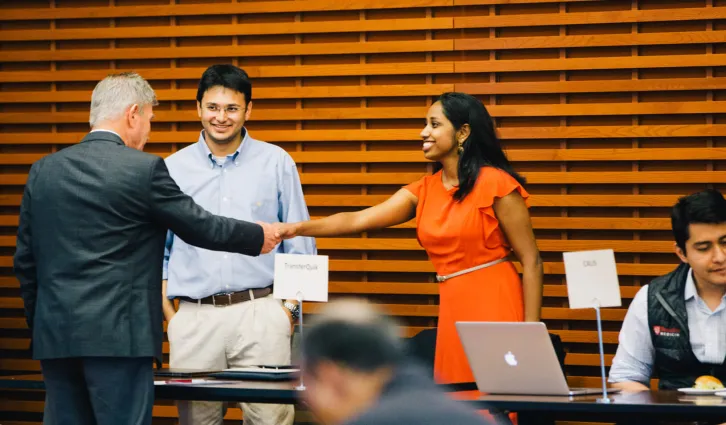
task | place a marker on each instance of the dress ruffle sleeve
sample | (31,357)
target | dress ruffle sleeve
(492,184)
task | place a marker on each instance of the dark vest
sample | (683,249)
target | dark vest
(675,364)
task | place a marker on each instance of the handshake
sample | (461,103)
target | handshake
(276,233)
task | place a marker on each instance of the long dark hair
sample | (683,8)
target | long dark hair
(481,148)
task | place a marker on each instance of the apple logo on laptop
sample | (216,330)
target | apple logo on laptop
(510,359)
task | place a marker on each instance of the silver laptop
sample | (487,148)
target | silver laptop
(515,358)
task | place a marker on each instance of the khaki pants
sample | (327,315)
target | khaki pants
(255,332)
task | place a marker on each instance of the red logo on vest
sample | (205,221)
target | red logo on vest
(663,331)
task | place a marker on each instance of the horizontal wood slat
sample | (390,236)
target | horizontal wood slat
(693,37)
(387,288)
(253,51)
(414,266)
(200,10)
(252,71)
(571,360)
(545,245)
(319,5)
(388,47)
(532,178)
(594,223)
(389,90)
(507,43)
(261,114)
(506,2)
(595,86)
(159,411)
(312,136)
(549,313)
(605,201)
(442,67)
(581,337)
(589,18)
(516,155)
(229,30)
(602,63)
(425,267)
(521,155)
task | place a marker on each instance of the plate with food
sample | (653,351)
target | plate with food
(705,384)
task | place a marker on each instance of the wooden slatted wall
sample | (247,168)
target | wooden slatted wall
(612,109)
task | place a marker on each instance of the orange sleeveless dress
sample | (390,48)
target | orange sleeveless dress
(457,236)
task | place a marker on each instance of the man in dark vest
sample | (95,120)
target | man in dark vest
(675,328)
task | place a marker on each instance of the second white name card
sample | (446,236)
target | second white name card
(306,275)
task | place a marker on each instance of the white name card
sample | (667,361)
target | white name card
(301,274)
(592,279)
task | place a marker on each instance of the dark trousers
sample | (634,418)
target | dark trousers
(98,391)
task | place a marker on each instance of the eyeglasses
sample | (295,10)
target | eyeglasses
(229,110)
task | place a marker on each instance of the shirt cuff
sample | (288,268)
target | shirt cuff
(625,377)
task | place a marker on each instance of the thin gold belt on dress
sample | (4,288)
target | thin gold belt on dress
(471,269)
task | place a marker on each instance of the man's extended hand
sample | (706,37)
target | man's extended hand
(272,237)
(287,230)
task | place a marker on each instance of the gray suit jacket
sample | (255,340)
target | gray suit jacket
(90,246)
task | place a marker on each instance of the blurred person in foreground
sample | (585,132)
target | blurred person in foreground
(356,373)
(93,221)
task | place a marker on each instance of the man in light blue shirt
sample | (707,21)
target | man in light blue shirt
(227,316)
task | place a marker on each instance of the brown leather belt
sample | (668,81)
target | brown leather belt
(222,300)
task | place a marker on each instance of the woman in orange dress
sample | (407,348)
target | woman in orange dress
(472,212)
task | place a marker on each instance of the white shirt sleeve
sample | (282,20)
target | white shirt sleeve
(635,356)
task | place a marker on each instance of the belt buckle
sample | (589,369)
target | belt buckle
(229,298)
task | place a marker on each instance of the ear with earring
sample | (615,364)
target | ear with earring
(461,135)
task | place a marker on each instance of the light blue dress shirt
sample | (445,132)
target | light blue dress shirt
(258,182)
(635,355)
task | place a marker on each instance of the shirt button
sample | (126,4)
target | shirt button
(226,256)
(224,199)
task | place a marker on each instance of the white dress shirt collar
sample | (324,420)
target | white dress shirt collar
(108,131)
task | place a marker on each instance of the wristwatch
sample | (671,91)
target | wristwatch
(294,310)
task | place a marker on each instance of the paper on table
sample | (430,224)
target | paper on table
(592,279)
(190,382)
(304,274)
(257,369)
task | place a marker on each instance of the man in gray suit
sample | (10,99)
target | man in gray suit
(93,221)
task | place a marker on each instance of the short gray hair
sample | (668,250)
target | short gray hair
(116,93)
